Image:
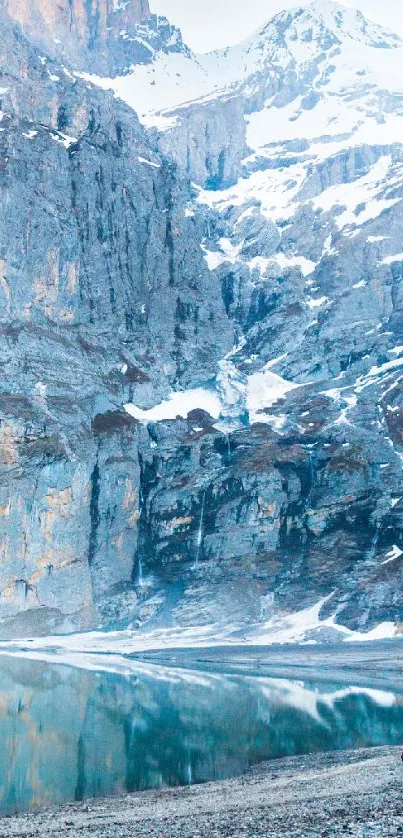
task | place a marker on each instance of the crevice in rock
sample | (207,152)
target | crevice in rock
(94,513)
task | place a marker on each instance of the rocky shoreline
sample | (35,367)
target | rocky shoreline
(354,793)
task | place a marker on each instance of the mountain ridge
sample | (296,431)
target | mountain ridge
(264,72)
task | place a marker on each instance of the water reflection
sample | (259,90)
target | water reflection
(68,734)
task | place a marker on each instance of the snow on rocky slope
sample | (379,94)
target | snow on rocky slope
(322,102)
(224,447)
(304,233)
(324,48)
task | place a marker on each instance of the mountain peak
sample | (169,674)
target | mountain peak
(328,20)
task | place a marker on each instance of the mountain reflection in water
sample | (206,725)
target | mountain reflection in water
(69,734)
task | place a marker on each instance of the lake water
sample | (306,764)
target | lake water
(67,734)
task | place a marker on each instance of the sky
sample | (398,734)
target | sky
(209,24)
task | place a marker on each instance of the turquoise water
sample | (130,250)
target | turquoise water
(67,734)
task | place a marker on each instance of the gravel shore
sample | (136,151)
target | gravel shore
(355,793)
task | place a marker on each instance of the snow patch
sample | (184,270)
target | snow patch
(233,396)
(264,389)
(395,553)
(149,163)
(389,260)
(64,139)
(320,301)
(307,266)
(294,628)
(178,404)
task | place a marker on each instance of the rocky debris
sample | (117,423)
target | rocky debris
(358,792)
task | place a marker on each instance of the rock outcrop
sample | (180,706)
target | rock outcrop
(208,143)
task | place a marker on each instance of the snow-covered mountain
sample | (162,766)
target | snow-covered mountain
(321,76)
(220,442)
(323,50)
(317,93)
(296,140)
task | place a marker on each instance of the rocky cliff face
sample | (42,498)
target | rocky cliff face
(76,19)
(201,383)
(104,36)
(208,142)
(104,294)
